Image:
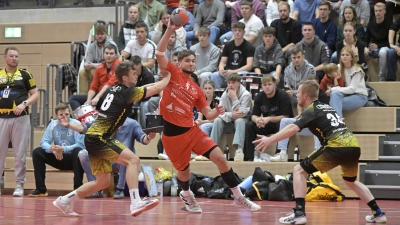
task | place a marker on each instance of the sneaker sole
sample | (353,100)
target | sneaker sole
(55,204)
(16,195)
(39,195)
(145,208)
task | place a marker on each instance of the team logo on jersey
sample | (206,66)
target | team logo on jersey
(193,90)
(169,107)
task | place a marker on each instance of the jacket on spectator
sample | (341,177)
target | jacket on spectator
(154,12)
(95,53)
(316,53)
(180,35)
(294,77)
(268,59)
(175,4)
(243,102)
(327,83)
(360,32)
(210,15)
(102,77)
(258,10)
(326,32)
(127,33)
(354,81)
(177,48)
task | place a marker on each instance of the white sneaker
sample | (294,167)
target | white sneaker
(265,157)
(376,219)
(193,155)
(292,219)
(201,158)
(64,207)
(243,201)
(140,206)
(190,203)
(163,156)
(19,190)
(239,156)
(279,157)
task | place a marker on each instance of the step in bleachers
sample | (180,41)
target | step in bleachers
(387,91)
(373,119)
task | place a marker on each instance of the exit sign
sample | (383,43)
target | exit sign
(12,32)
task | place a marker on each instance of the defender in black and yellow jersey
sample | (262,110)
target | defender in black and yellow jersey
(339,147)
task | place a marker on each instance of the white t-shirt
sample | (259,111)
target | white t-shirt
(146,51)
(253,27)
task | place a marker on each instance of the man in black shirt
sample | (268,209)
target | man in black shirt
(339,147)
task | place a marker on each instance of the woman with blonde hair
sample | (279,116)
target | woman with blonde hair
(354,94)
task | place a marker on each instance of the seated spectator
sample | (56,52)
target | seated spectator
(258,10)
(142,47)
(392,7)
(332,78)
(376,39)
(270,106)
(297,71)
(362,10)
(268,58)
(173,46)
(94,57)
(104,77)
(207,56)
(184,4)
(394,52)
(349,16)
(210,13)
(253,25)
(209,90)
(315,51)
(325,28)
(237,57)
(305,11)
(127,31)
(159,30)
(236,101)
(273,11)
(354,94)
(63,154)
(150,11)
(126,134)
(173,4)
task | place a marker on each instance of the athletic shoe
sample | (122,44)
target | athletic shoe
(239,156)
(163,156)
(190,203)
(64,207)
(279,157)
(201,158)
(140,206)
(291,218)
(381,218)
(19,190)
(265,157)
(243,201)
(193,155)
(37,193)
(118,194)
(97,194)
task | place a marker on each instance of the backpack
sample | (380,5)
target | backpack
(321,189)
(373,98)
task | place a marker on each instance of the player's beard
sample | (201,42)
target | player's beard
(187,71)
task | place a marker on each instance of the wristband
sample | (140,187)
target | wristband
(159,53)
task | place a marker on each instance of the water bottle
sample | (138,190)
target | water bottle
(174,186)
(296,156)
(160,188)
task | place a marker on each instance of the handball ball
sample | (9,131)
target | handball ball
(179,17)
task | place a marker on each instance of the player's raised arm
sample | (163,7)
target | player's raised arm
(162,45)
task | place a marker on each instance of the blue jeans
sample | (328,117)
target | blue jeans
(214,34)
(206,128)
(380,53)
(228,35)
(236,127)
(340,101)
(334,58)
(392,59)
(220,81)
(143,107)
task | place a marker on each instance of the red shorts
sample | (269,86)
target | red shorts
(180,147)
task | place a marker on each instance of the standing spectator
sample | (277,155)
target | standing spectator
(306,10)
(361,7)
(237,57)
(150,11)
(127,31)
(273,11)
(207,56)
(159,30)
(258,10)
(18,88)
(394,52)
(376,39)
(325,28)
(62,155)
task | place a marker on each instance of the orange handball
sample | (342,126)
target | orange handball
(179,17)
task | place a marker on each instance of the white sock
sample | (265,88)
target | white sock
(187,193)
(134,193)
(237,192)
(70,197)
(284,152)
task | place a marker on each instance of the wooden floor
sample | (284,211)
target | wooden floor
(28,210)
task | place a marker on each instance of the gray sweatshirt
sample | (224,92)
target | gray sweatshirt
(206,58)
(243,102)
(316,53)
(95,53)
(177,48)
(293,77)
(210,15)
(268,59)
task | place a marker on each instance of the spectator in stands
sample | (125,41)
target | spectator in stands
(95,55)
(237,57)
(207,56)
(361,7)
(126,134)
(127,31)
(104,77)
(236,101)
(253,25)
(268,58)
(392,7)
(270,106)
(63,154)
(332,78)
(258,10)
(210,13)
(150,11)
(354,95)
(349,15)
(184,4)
(394,52)
(18,88)
(159,30)
(325,28)
(315,51)
(297,71)
(209,90)
(173,4)
(273,11)
(305,11)
(288,30)
(376,39)
(142,47)
(173,46)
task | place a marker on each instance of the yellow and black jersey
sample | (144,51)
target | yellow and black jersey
(18,85)
(117,106)
(325,123)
